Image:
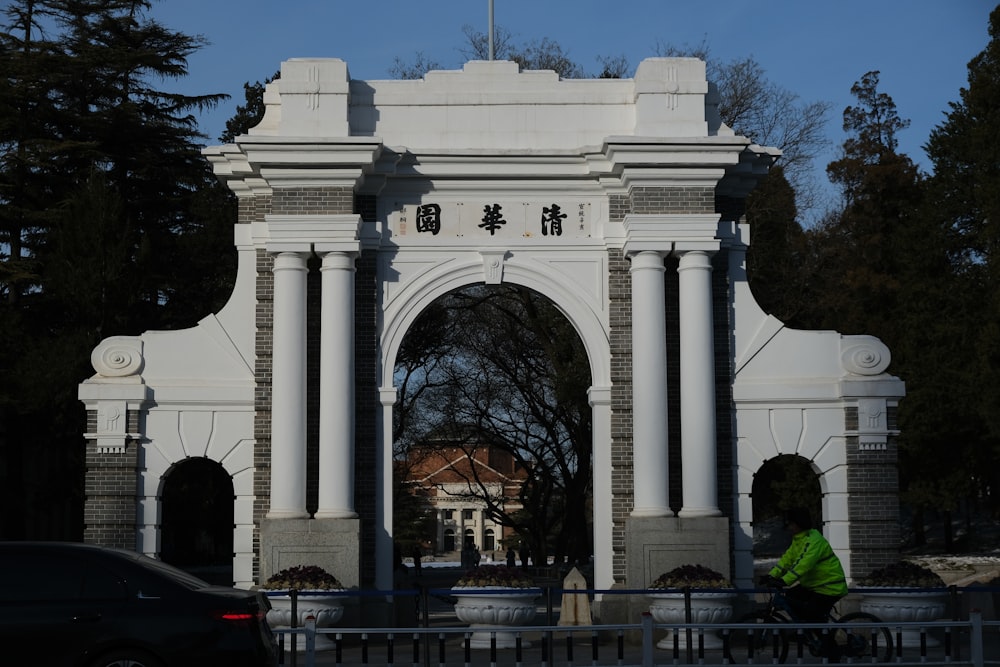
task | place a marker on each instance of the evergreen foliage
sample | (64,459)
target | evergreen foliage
(963,204)
(110,223)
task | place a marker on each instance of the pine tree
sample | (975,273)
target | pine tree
(965,203)
(858,250)
(777,266)
(104,193)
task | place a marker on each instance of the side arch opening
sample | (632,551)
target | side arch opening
(782,482)
(196,529)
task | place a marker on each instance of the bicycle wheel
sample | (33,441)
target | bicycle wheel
(874,641)
(755,644)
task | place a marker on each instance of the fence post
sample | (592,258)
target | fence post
(549,620)
(688,634)
(976,638)
(294,638)
(310,641)
(425,638)
(956,614)
(647,639)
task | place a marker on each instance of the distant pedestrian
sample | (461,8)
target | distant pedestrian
(525,555)
(511,557)
(416,559)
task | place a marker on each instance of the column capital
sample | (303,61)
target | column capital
(694,259)
(338,259)
(650,260)
(667,232)
(685,248)
(599,396)
(288,259)
(387,396)
(322,233)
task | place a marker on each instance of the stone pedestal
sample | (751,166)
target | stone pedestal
(658,544)
(332,544)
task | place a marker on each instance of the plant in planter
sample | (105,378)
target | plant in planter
(902,574)
(489,596)
(707,606)
(691,576)
(313,587)
(904,592)
(491,576)
(302,578)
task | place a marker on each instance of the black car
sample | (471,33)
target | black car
(80,605)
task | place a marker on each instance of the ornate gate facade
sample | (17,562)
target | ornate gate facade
(361,202)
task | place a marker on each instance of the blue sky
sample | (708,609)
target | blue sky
(814,49)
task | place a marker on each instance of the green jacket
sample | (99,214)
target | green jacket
(810,561)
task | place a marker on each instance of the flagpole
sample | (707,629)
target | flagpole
(491,29)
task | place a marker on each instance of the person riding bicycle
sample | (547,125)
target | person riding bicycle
(811,571)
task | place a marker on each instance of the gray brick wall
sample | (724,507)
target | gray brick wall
(367,407)
(693,199)
(254,209)
(110,488)
(873,506)
(620,320)
(317,200)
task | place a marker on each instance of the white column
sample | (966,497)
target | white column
(700,496)
(336,388)
(649,387)
(288,389)
(600,403)
(383,494)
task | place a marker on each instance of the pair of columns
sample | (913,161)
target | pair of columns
(336,389)
(649,382)
(649,386)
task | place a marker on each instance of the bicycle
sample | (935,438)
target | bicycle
(871,639)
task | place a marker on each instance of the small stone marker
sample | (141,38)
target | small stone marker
(575,606)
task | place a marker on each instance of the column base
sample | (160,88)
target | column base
(286,514)
(651,512)
(655,545)
(332,544)
(696,512)
(658,545)
(335,514)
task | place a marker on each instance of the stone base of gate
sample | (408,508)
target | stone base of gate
(332,544)
(655,545)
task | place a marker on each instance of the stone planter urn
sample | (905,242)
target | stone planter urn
(906,606)
(325,607)
(493,607)
(317,596)
(905,592)
(706,607)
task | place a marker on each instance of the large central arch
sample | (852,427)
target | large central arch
(586,310)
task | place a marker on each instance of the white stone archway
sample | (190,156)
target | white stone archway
(360,202)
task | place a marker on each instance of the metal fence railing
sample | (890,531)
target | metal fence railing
(437,639)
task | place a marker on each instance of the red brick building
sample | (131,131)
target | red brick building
(457,480)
